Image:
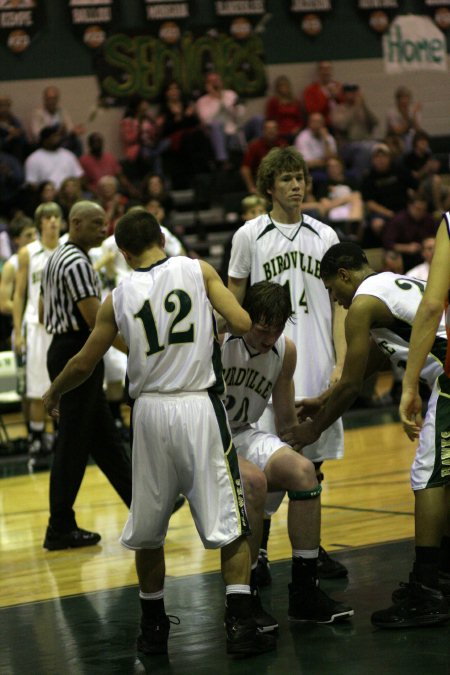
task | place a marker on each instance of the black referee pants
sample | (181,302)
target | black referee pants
(86,427)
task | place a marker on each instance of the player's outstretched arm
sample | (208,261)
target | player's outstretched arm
(224,302)
(283,392)
(80,366)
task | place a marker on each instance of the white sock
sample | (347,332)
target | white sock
(152,596)
(244,589)
(307,554)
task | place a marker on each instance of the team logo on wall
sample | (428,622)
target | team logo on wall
(92,20)
(20,20)
(311,13)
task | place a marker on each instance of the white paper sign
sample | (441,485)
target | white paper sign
(414,43)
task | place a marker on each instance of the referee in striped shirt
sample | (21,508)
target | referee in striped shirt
(71,293)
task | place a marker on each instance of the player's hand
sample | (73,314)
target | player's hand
(51,403)
(411,412)
(307,408)
(336,374)
(301,435)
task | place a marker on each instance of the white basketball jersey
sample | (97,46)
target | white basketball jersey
(290,255)
(402,296)
(38,256)
(166,319)
(249,377)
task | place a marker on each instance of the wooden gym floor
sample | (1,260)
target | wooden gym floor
(77,611)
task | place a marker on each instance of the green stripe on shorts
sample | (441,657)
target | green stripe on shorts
(231,460)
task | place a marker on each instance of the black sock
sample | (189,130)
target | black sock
(152,609)
(427,565)
(253,583)
(239,604)
(265,535)
(114,406)
(444,558)
(304,570)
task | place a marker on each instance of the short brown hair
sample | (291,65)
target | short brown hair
(276,162)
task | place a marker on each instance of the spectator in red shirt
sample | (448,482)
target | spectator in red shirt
(323,94)
(97,163)
(285,109)
(256,150)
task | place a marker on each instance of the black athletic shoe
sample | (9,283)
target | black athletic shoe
(421,606)
(309,604)
(245,639)
(154,635)
(56,541)
(179,501)
(265,622)
(403,591)
(329,568)
(263,573)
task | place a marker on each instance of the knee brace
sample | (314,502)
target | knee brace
(301,495)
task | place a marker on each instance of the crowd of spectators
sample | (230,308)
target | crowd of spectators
(368,182)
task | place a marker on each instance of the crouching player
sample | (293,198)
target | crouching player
(258,365)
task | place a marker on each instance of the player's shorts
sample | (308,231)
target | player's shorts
(431,465)
(38,341)
(258,447)
(182,444)
(330,445)
(115,365)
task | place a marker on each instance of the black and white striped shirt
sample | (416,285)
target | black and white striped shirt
(68,277)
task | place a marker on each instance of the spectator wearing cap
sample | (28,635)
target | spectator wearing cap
(385,193)
(405,118)
(353,124)
(51,162)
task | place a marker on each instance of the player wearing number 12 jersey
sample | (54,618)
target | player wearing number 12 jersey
(181,438)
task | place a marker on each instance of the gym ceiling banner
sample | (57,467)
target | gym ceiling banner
(93,20)
(311,13)
(240,18)
(414,43)
(20,20)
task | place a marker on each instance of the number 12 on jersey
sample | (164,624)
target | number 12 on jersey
(183,305)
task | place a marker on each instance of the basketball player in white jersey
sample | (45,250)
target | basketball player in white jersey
(287,246)
(22,231)
(164,314)
(30,336)
(426,322)
(382,308)
(112,268)
(257,366)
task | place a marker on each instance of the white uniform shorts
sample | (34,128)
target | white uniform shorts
(115,365)
(38,341)
(182,443)
(258,447)
(431,465)
(330,445)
